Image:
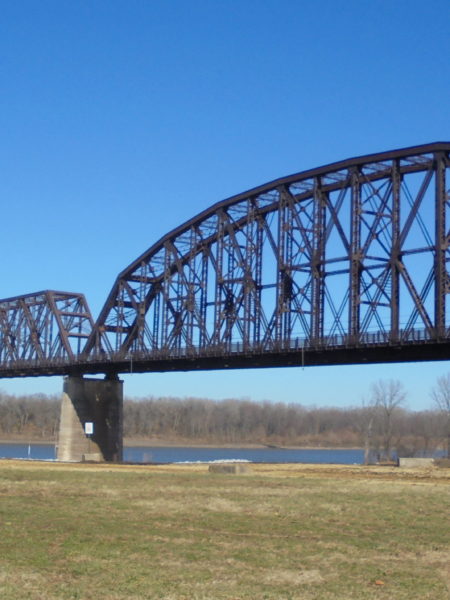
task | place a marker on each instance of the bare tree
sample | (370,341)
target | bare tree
(424,427)
(388,397)
(379,425)
(363,420)
(440,394)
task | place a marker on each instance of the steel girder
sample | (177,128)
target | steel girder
(343,256)
(41,330)
(345,263)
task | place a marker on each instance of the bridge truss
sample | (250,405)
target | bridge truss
(343,263)
(343,257)
(42,331)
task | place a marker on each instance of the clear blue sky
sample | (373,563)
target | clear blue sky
(120,120)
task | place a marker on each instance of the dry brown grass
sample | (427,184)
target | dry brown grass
(179,532)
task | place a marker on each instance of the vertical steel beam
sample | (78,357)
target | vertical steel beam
(248,282)
(440,271)
(355,257)
(395,251)
(157,335)
(219,292)
(288,268)
(258,280)
(317,262)
(203,300)
(165,288)
(280,277)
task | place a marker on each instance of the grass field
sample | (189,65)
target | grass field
(281,532)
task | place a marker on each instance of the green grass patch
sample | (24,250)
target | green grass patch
(113,533)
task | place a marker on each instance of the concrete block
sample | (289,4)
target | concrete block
(234,468)
(415,463)
(92,457)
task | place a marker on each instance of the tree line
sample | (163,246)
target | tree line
(33,415)
(382,425)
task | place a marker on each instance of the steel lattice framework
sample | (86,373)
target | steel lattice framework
(350,254)
(341,264)
(43,329)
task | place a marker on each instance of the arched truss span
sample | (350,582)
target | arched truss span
(348,255)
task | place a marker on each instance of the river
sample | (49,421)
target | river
(175,454)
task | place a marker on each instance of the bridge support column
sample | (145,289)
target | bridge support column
(96,401)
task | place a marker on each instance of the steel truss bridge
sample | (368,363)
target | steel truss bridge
(345,263)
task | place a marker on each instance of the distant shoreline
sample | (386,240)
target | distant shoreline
(169,443)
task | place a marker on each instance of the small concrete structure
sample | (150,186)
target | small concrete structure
(235,468)
(415,463)
(94,401)
(92,457)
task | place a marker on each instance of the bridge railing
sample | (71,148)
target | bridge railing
(123,361)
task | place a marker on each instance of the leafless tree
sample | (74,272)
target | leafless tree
(379,425)
(364,419)
(440,395)
(388,398)
(423,433)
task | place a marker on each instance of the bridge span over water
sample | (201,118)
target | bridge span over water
(345,263)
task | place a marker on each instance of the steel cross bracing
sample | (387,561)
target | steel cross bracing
(42,331)
(341,264)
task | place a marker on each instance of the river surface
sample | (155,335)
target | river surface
(156,454)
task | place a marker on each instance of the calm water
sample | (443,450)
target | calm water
(142,454)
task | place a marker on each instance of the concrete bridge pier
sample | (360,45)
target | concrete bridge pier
(91,401)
